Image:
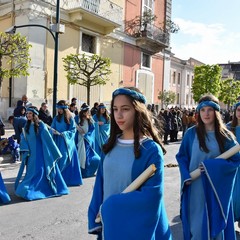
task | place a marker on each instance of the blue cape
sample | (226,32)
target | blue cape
(39,155)
(135,215)
(218,173)
(4,197)
(69,162)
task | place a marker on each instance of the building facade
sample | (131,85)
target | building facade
(181,79)
(91,26)
(230,70)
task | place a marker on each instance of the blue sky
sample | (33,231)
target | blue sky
(209,30)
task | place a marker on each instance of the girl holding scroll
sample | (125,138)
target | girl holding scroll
(132,147)
(234,126)
(206,209)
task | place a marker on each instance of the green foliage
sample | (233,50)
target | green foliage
(86,70)
(14,56)
(141,22)
(167,97)
(206,80)
(229,91)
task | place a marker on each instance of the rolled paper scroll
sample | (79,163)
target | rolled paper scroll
(143,177)
(230,152)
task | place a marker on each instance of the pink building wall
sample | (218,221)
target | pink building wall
(132,54)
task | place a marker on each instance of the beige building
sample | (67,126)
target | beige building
(181,79)
(88,26)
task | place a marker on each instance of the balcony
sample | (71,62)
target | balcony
(103,13)
(151,39)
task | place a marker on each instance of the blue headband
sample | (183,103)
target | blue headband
(236,105)
(135,95)
(101,106)
(208,104)
(62,106)
(33,111)
(85,108)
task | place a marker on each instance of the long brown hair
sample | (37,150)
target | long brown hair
(143,124)
(221,132)
(234,122)
(36,121)
(66,113)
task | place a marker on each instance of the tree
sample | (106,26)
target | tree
(229,91)
(87,71)
(14,56)
(140,23)
(167,97)
(206,80)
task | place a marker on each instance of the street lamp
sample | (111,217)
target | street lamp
(56,28)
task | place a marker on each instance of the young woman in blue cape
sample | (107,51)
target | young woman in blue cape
(102,128)
(89,159)
(4,197)
(133,145)
(64,130)
(206,202)
(39,154)
(234,126)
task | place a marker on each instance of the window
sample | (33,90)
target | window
(148,5)
(178,98)
(188,78)
(146,60)
(174,77)
(179,78)
(88,43)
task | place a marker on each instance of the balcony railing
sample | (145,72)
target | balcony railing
(156,34)
(151,38)
(103,8)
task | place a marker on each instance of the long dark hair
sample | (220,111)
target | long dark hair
(66,113)
(234,122)
(105,114)
(221,132)
(36,121)
(82,117)
(144,125)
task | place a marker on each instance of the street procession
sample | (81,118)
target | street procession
(111,128)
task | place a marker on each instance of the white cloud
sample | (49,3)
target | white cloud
(209,43)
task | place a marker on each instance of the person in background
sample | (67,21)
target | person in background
(20,110)
(89,159)
(206,209)
(191,119)
(102,127)
(2,127)
(26,103)
(74,101)
(167,115)
(133,145)
(64,131)
(39,153)
(94,109)
(73,109)
(234,127)
(44,114)
(18,124)
(185,121)
(10,145)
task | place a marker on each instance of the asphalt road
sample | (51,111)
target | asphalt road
(65,217)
